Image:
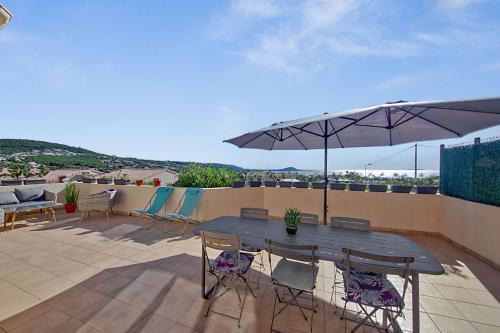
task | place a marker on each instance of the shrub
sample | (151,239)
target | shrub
(206,177)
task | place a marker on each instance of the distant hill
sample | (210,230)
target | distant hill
(59,156)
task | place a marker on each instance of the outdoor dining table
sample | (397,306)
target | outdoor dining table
(330,242)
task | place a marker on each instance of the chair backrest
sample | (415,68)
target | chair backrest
(352,223)
(299,252)
(254,213)
(220,241)
(309,218)
(396,265)
(191,199)
(158,200)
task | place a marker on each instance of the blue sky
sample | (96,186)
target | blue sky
(172,79)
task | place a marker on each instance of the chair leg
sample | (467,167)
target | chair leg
(107,215)
(274,310)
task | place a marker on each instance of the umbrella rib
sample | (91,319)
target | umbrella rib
(258,136)
(406,113)
(461,110)
(304,130)
(356,121)
(297,140)
(429,121)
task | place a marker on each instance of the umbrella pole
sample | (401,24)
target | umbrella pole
(325,175)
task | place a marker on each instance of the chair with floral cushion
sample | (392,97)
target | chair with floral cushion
(374,291)
(350,223)
(256,214)
(228,267)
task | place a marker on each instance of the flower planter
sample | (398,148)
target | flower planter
(104,181)
(377,188)
(318,185)
(88,181)
(156,182)
(291,231)
(12,182)
(122,181)
(270,183)
(285,184)
(357,187)
(238,185)
(139,182)
(255,183)
(301,184)
(427,189)
(337,186)
(401,188)
(34,181)
(70,208)
(61,180)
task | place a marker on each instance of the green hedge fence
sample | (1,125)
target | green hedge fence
(472,172)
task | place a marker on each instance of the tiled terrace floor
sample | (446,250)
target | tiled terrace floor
(85,277)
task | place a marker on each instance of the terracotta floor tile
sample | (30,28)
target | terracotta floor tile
(479,313)
(17,300)
(22,317)
(74,304)
(153,324)
(440,306)
(452,325)
(113,285)
(73,325)
(42,323)
(116,316)
(483,328)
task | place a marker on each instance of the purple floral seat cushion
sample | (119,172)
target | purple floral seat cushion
(371,290)
(227,262)
(343,268)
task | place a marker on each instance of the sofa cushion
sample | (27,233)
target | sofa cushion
(8,198)
(30,194)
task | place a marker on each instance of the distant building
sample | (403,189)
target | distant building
(166,176)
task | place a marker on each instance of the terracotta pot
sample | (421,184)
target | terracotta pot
(70,208)
(139,182)
(61,180)
(156,182)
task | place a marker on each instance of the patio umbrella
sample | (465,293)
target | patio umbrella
(388,124)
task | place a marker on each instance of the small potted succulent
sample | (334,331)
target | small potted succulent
(291,220)
(122,179)
(104,180)
(139,182)
(88,178)
(156,182)
(71,194)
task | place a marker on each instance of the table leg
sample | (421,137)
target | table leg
(415,302)
(6,218)
(13,221)
(53,214)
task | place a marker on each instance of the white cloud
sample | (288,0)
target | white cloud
(396,82)
(256,8)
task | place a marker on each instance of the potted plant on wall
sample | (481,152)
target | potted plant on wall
(104,180)
(122,179)
(139,182)
(71,194)
(87,178)
(291,220)
(156,182)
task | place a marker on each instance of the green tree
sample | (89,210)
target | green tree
(43,170)
(206,176)
(16,170)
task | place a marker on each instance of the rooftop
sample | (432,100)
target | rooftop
(72,276)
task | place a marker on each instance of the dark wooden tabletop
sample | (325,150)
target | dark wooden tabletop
(330,241)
